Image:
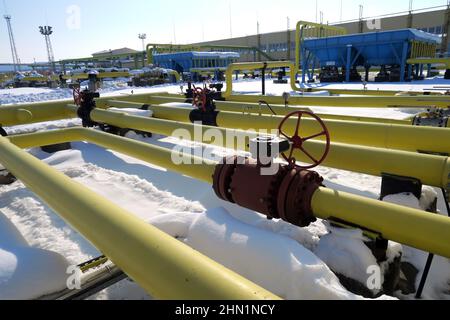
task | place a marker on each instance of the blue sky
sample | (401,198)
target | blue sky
(108,24)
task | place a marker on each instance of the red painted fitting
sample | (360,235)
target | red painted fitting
(285,195)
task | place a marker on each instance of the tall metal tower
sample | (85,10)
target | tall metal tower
(15,56)
(46,31)
(143,37)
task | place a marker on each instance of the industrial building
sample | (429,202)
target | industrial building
(281,45)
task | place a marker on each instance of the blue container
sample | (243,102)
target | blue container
(367,49)
(185,61)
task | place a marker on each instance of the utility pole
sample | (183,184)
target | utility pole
(410,15)
(361,23)
(341,12)
(47,31)
(231,22)
(317,11)
(258,40)
(288,42)
(446,31)
(12,42)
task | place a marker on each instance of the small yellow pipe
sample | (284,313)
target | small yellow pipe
(143,250)
(421,102)
(406,225)
(430,169)
(135,246)
(443,61)
(390,136)
(256,109)
(298,36)
(255,66)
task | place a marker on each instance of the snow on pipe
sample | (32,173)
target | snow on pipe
(379,135)
(26,113)
(140,249)
(431,170)
(411,227)
(256,108)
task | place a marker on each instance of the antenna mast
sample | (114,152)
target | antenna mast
(12,42)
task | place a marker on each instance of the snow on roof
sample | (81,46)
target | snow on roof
(222,55)
(203,54)
(115,51)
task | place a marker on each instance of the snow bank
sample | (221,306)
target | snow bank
(25,272)
(275,262)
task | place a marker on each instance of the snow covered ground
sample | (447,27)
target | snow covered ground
(33,237)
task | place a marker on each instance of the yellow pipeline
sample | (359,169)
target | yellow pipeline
(298,36)
(139,249)
(11,115)
(255,108)
(368,92)
(389,136)
(138,242)
(430,169)
(354,101)
(316,101)
(443,61)
(22,114)
(255,66)
(101,75)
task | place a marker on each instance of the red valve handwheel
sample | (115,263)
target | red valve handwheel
(199,99)
(77,96)
(298,140)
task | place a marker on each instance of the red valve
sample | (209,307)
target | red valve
(199,100)
(298,141)
(77,96)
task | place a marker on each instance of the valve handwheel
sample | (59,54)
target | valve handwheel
(199,99)
(77,96)
(298,140)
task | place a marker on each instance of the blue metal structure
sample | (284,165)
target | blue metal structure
(387,48)
(194,61)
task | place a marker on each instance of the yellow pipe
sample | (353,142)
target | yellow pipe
(407,226)
(255,66)
(365,101)
(411,227)
(298,36)
(444,61)
(135,246)
(229,106)
(430,169)
(354,101)
(255,108)
(11,115)
(389,136)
